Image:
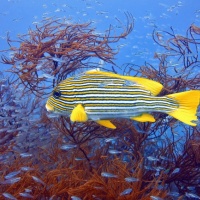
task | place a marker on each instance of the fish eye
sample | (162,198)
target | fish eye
(56,94)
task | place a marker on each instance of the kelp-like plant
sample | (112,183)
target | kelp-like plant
(50,157)
(52,51)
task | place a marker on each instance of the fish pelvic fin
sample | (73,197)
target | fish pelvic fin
(188,103)
(153,86)
(106,123)
(78,114)
(145,117)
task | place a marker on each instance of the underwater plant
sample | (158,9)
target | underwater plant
(48,54)
(47,156)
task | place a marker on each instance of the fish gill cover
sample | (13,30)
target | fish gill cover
(47,156)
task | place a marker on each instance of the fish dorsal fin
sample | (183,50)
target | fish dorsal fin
(78,114)
(106,123)
(153,86)
(145,117)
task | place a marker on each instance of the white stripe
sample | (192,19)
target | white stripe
(126,107)
(117,102)
(78,84)
(92,84)
(105,95)
(105,90)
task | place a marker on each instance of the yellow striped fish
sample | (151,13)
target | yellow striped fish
(101,96)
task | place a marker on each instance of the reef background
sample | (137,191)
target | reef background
(46,156)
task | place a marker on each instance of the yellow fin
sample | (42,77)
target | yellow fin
(106,123)
(153,86)
(188,102)
(145,117)
(78,114)
(150,85)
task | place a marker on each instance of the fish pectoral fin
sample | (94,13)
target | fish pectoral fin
(106,123)
(78,114)
(145,117)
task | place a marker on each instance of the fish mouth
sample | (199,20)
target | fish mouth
(49,108)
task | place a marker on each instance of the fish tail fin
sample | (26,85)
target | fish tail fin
(188,103)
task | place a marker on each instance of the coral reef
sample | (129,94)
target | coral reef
(44,156)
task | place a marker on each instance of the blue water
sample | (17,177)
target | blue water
(18,16)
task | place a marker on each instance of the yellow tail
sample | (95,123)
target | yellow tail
(188,104)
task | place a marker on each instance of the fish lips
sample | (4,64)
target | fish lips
(49,108)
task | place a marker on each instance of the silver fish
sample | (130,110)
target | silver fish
(108,175)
